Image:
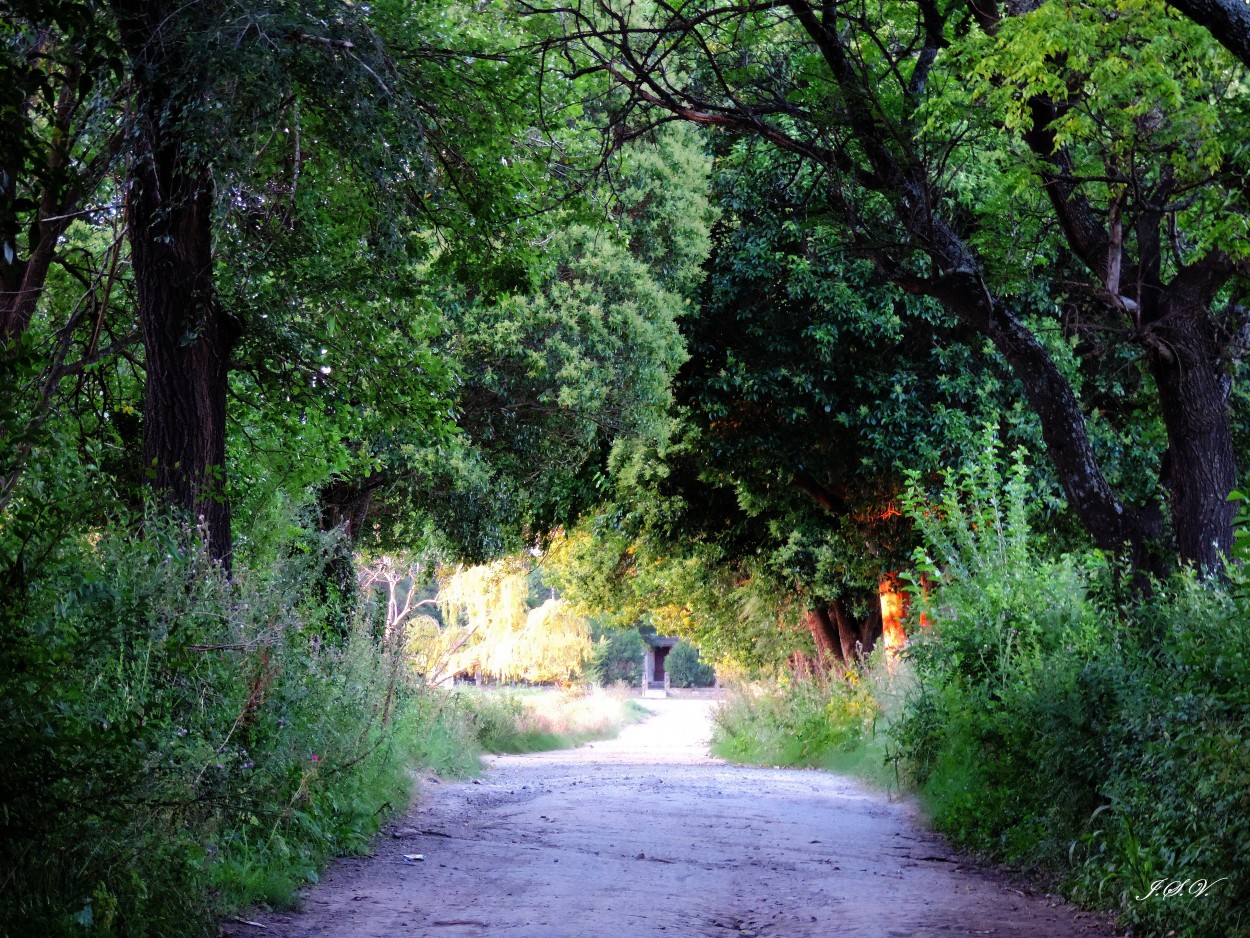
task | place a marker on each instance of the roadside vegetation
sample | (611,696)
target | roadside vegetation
(1043,721)
(511,721)
(181,745)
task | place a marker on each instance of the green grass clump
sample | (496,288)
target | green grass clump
(178,744)
(1061,724)
(1049,718)
(828,721)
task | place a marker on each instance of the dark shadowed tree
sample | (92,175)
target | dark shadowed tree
(1020,189)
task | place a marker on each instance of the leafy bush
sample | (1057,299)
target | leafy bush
(829,721)
(616,656)
(1106,742)
(686,670)
(1178,789)
(178,743)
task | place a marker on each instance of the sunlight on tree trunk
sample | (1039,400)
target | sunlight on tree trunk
(893,610)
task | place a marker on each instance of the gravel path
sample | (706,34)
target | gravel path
(647,835)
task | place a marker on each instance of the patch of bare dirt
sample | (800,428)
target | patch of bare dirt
(648,835)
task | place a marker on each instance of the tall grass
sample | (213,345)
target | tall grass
(835,721)
(509,721)
(178,744)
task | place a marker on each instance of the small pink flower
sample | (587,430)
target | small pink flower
(314,758)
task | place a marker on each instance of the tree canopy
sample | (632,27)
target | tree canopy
(712,277)
(323,324)
(1060,169)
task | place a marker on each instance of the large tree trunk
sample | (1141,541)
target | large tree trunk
(1228,21)
(838,636)
(828,646)
(1112,524)
(1200,468)
(186,336)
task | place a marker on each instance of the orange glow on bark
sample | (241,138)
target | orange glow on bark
(893,609)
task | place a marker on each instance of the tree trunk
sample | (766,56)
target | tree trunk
(838,637)
(186,336)
(873,627)
(828,646)
(22,280)
(856,638)
(1200,468)
(1228,21)
(848,635)
(346,503)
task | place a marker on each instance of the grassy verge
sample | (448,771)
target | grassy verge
(1064,765)
(1050,720)
(179,745)
(835,722)
(511,721)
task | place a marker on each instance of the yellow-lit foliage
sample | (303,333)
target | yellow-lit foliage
(555,645)
(487,605)
(490,629)
(431,650)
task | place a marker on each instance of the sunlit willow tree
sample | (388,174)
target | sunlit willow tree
(491,630)
(1066,180)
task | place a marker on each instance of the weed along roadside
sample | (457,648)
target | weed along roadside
(1026,717)
(441,736)
(648,832)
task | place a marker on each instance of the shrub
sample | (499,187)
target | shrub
(177,743)
(686,670)
(506,721)
(616,656)
(1107,743)
(829,721)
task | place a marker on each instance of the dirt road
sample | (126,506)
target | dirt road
(646,835)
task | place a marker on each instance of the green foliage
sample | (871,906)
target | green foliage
(1035,729)
(1142,93)
(686,670)
(576,359)
(506,721)
(825,721)
(180,744)
(616,656)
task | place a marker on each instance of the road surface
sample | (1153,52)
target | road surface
(646,835)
